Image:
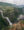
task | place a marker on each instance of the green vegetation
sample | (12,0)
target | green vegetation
(22,22)
(10,11)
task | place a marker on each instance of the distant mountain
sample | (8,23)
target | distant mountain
(20,6)
(12,5)
(7,4)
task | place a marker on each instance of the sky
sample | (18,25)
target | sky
(17,2)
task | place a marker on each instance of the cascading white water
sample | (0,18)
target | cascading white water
(9,21)
(5,17)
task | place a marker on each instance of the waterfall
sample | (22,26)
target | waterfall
(9,21)
(5,18)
